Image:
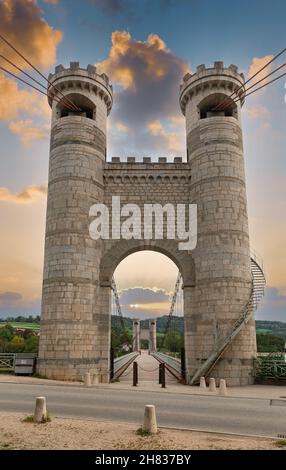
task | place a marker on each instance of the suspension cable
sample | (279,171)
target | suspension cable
(263,86)
(29,76)
(173,304)
(27,83)
(264,78)
(251,78)
(65,98)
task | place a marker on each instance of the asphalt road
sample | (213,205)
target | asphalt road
(235,415)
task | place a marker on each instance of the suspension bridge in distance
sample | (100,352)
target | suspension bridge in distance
(149,361)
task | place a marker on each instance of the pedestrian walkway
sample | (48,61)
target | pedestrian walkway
(148,371)
(261,392)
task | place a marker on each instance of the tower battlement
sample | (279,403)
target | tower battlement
(216,79)
(74,79)
(146,160)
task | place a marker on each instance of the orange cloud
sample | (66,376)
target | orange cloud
(29,133)
(148,75)
(128,58)
(122,127)
(27,195)
(13,101)
(21,22)
(169,140)
(257,64)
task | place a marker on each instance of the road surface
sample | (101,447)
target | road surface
(207,413)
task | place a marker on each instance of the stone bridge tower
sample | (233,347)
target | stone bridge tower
(72,324)
(222,257)
(149,334)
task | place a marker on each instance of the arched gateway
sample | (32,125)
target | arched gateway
(217,278)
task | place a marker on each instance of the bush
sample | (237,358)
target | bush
(12,341)
(267,342)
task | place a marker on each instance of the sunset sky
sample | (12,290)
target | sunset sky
(145,46)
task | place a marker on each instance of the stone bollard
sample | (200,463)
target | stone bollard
(203,382)
(222,387)
(212,385)
(40,413)
(87,381)
(95,378)
(150,421)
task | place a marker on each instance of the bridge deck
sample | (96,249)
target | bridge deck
(148,370)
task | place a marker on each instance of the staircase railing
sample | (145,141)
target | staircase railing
(257,292)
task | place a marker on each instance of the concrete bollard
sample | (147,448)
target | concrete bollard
(222,387)
(212,385)
(40,413)
(150,421)
(87,380)
(203,382)
(95,378)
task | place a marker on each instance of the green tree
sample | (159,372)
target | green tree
(17,343)
(32,344)
(6,333)
(267,342)
(174,342)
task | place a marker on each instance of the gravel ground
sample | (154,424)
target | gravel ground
(92,435)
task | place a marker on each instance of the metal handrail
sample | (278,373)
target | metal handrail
(172,361)
(252,304)
(122,363)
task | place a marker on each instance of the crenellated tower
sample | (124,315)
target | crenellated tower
(222,256)
(71,331)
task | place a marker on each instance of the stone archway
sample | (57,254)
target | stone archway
(115,252)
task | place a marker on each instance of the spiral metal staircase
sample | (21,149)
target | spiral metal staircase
(257,292)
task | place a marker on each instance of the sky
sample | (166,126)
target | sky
(145,47)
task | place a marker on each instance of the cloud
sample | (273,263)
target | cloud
(27,195)
(256,64)
(14,101)
(138,302)
(273,307)
(170,141)
(121,126)
(146,75)
(258,111)
(9,297)
(21,22)
(13,304)
(29,133)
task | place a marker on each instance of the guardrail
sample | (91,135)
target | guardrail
(122,363)
(7,361)
(172,364)
(270,369)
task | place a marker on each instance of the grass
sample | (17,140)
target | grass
(280,443)
(142,433)
(30,419)
(6,446)
(28,326)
